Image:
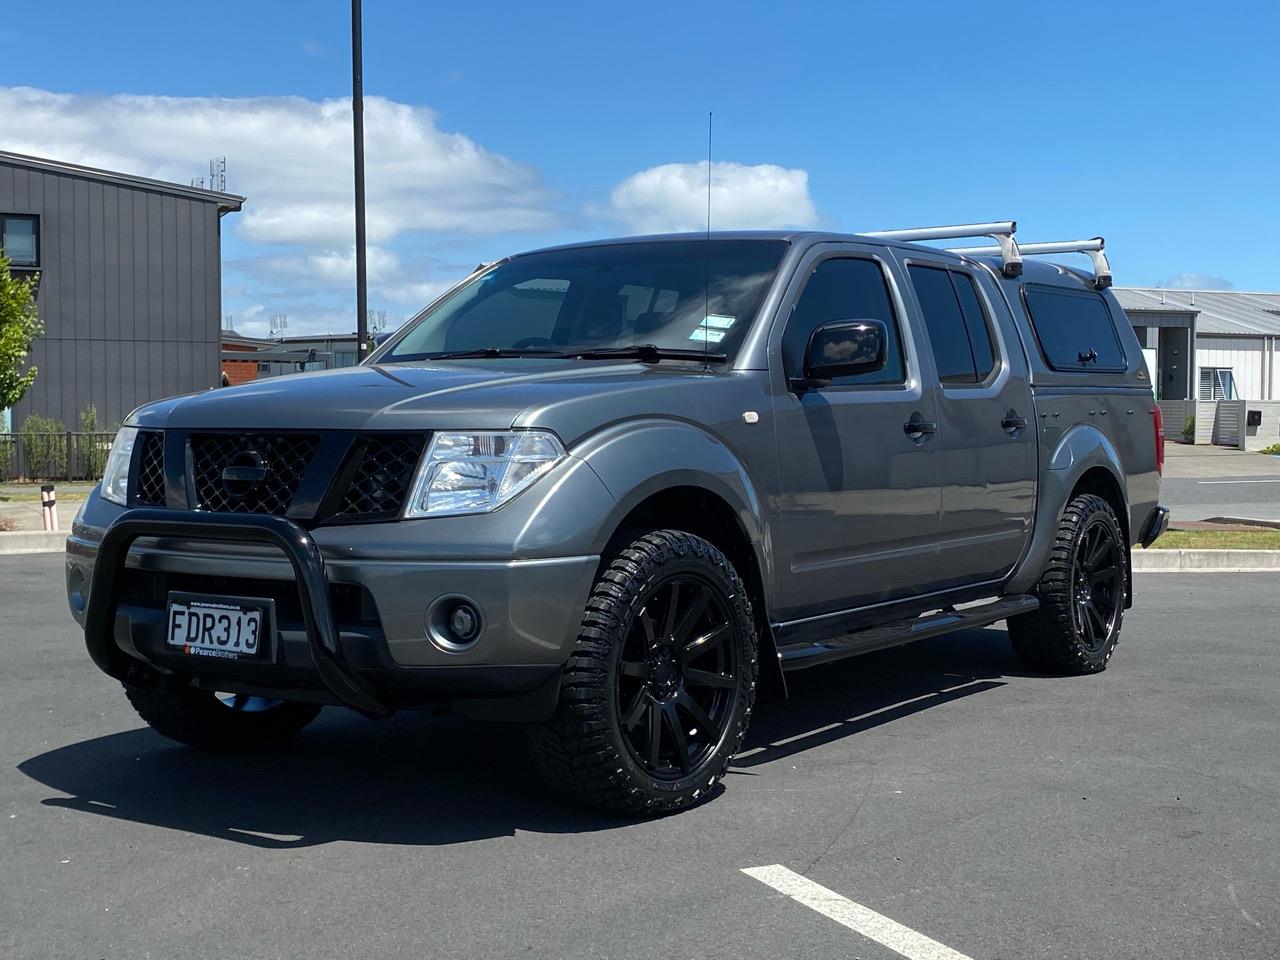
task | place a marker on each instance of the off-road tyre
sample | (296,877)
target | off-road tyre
(1065,636)
(199,719)
(588,751)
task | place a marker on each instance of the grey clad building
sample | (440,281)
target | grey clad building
(129,284)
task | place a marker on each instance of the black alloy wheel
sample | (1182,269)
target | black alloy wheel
(217,721)
(1098,584)
(658,689)
(1082,589)
(677,677)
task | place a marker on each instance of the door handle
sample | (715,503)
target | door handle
(919,429)
(1012,425)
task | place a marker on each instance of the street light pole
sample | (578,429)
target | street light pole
(357,112)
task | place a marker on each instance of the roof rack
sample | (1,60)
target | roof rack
(1000,230)
(1093,247)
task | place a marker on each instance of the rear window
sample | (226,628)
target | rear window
(1075,329)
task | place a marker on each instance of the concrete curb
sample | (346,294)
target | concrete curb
(1206,561)
(33,541)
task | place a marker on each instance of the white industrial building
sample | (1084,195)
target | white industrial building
(1235,336)
(1214,352)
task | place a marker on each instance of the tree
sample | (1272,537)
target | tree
(19,327)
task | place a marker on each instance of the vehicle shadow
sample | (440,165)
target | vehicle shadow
(413,779)
(838,700)
(420,780)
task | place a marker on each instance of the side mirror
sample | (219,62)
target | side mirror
(843,348)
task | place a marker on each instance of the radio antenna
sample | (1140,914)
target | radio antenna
(706,261)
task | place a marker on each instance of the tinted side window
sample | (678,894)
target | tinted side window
(1074,328)
(844,289)
(945,322)
(975,324)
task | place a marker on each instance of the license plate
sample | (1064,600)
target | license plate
(216,627)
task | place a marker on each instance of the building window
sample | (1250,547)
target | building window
(20,239)
(1217,383)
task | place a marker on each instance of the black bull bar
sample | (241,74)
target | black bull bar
(296,543)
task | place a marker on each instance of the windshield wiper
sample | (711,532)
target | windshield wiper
(647,353)
(492,352)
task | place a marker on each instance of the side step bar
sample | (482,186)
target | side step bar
(803,655)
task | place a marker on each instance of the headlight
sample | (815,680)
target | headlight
(115,477)
(480,471)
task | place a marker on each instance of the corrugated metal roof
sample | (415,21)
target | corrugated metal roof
(1220,311)
(227,202)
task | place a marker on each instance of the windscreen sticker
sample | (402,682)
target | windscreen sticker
(712,328)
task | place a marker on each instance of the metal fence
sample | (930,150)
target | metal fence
(1219,422)
(53,456)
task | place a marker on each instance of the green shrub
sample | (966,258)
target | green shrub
(44,443)
(91,449)
(1189,429)
(1273,450)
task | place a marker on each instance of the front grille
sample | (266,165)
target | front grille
(381,481)
(282,459)
(151,470)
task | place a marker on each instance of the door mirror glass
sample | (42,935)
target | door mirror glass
(845,348)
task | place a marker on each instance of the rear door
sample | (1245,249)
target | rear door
(987,433)
(857,512)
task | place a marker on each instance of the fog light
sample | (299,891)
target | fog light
(75,590)
(464,623)
(454,623)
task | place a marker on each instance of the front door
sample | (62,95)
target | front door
(986,424)
(856,518)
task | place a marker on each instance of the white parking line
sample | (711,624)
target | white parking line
(1206,483)
(859,919)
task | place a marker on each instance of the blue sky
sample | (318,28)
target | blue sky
(499,126)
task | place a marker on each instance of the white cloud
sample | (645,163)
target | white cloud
(1197,281)
(427,190)
(292,158)
(673,197)
(418,294)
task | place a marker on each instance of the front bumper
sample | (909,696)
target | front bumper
(351,630)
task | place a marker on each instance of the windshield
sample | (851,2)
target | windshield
(671,293)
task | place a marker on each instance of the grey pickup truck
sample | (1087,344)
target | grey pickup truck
(616,491)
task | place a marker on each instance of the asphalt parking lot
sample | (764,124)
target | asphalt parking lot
(1201,482)
(1132,814)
